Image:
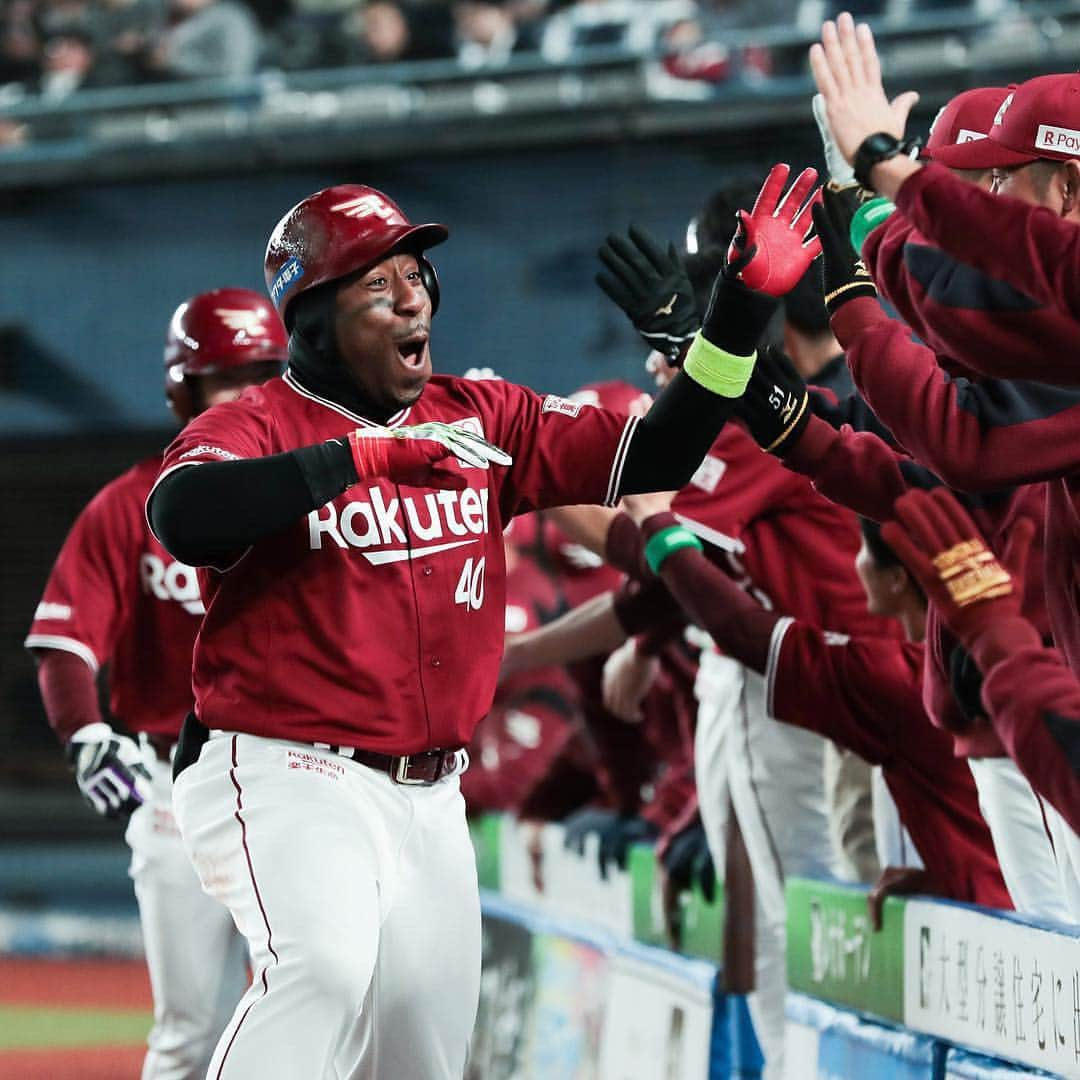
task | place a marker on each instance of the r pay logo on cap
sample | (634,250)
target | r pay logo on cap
(966,135)
(1062,140)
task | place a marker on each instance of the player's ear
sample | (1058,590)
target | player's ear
(1070,187)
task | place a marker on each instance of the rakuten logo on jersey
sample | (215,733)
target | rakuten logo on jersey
(437,521)
(173,582)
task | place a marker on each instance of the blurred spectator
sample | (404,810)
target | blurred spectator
(383,32)
(632,24)
(207,39)
(68,59)
(20,47)
(125,32)
(487,34)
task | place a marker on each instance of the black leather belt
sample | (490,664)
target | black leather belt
(427,767)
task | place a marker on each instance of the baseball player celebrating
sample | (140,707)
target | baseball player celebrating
(117,596)
(348,518)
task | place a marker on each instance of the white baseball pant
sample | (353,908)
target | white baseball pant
(775,775)
(359,902)
(197,960)
(1022,840)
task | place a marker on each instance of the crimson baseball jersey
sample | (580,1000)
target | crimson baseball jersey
(116,596)
(377,619)
(790,548)
(531,716)
(866,694)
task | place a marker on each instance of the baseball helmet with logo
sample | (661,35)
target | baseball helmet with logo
(338,231)
(217,331)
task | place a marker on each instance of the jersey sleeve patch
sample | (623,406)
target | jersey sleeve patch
(554,403)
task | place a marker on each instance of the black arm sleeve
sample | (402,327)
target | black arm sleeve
(674,436)
(205,514)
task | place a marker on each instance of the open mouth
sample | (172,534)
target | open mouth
(413,352)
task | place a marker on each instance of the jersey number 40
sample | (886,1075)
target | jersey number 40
(470,586)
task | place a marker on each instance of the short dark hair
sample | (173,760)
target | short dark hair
(804,306)
(714,224)
(883,555)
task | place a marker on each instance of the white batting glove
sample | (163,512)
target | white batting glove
(840,172)
(417,455)
(109,770)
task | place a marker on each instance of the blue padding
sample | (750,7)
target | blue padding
(696,972)
(963,1065)
(852,1047)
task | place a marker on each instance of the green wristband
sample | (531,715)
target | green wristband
(716,369)
(666,542)
(867,218)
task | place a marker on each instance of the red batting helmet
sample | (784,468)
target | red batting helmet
(216,331)
(338,231)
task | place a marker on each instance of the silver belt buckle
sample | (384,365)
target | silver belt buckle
(400,776)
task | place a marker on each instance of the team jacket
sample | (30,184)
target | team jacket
(859,470)
(116,596)
(975,322)
(988,433)
(377,620)
(865,694)
(533,714)
(1027,247)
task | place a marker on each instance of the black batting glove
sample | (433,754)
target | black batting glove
(688,860)
(652,287)
(776,405)
(844,274)
(615,842)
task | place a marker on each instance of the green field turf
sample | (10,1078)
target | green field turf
(34,1027)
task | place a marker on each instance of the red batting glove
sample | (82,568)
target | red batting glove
(421,456)
(773,247)
(941,546)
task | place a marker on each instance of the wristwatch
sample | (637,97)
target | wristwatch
(879,147)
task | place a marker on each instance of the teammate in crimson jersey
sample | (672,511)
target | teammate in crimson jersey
(347,520)
(864,692)
(117,597)
(533,715)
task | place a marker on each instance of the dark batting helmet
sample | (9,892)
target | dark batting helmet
(338,231)
(217,331)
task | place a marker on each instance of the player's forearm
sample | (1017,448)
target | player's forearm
(739,626)
(976,436)
(588,630)
(585,525)
(209,512)
(853,469)
(68,691)
(674,436)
